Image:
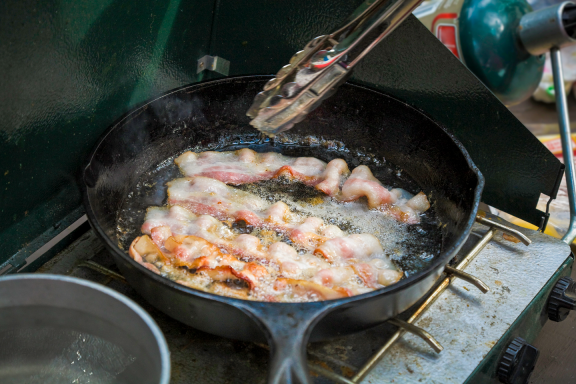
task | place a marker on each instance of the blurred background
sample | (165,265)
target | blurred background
(532,100)
(479,34)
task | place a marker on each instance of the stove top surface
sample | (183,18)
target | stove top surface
(468,323)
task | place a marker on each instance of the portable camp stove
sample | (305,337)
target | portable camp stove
(474,326)
(477,332)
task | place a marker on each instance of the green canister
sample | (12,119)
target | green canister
(484,35)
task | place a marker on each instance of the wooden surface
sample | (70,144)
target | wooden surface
(541,118)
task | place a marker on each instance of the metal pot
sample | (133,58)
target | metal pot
(59,329)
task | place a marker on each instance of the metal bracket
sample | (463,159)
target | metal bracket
(408,327)
(103,270)
(550,28)
(467,277)
(213,63)
(504,228)
(49,241)
(546,216)
(566,139)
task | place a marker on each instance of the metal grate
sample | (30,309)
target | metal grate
(402,325)
(407,326)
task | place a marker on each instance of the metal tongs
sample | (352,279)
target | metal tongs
(324,64)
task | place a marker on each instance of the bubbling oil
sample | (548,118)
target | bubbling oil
(411,247)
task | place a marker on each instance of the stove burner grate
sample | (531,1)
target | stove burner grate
(451,273)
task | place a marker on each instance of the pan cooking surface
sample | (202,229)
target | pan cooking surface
(411,247)
(128,170)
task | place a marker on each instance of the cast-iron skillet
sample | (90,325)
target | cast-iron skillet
(210,116)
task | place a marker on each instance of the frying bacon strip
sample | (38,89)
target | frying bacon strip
(177,220)
(183,223)
(370,275)
(311,290)
(247,166)
(204,250)
(198,255)
(251,273)
(397,203)
(144,251)
(193,241)
(195,252)
(207,260)
(293,265)
(203,195)
(358,247)
(246,247)
(363,183)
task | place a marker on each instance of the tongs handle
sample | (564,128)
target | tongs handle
(367,26)
(324,64)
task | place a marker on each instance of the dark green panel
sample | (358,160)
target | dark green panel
(69,69)
(414,66)
(260,36)
(411,65)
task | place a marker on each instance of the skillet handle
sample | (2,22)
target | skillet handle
(287,328)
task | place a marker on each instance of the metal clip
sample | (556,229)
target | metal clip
(213,63)
(510,231)
(103,270)
(467,277)
(431,341)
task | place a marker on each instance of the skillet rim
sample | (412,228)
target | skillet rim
(441,260)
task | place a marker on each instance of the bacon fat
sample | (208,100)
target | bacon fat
(194,239)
